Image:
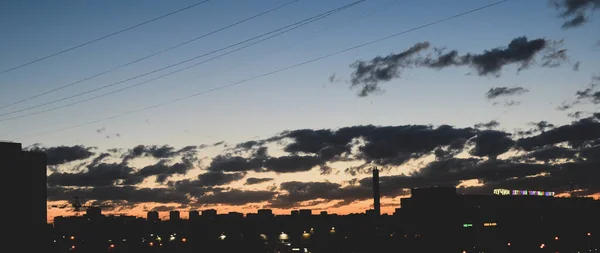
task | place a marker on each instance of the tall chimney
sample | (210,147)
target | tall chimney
(376,204)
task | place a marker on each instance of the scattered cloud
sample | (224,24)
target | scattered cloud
(254,180)
(575,12)
(505,91)
(63,154)
(520,51)
(544,157)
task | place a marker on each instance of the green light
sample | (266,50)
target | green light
(466,225)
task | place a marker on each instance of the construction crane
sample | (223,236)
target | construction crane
(78,205)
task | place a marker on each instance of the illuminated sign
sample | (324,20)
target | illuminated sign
(522,193)
(490,224)
(466,225)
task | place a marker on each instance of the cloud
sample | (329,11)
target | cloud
(219,178)
(158,152)
(297,192)
(488,125)
(102,174)
(381,69)
(63,154)
(520,51)
(575,134)
(491,143)
(505,91)
(549,157)
(254,180)
(130,194)
(575,12)
(162,171)
(236,197)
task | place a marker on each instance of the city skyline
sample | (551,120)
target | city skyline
(482,94)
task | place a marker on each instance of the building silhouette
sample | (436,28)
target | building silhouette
(28,168)
(174,215)
(376,193)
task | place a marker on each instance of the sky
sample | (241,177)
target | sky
(427,94)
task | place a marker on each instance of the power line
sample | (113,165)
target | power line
(103,37)
(289,28)
(278,70)
(311,19)
(151,55)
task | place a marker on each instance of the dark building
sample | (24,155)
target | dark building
(265,213)
(153,216)
(194,215)
(174,215)
(209,213)
(26,166)
(305,212)
(523,219)
(93,212)
(376,195)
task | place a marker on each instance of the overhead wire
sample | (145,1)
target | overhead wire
(150,55)
(364,15)
(278,70)
(311,19)
(103,37)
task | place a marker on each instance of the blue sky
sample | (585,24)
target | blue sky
(297,98)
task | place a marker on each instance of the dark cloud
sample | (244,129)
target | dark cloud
(254,180)
(488,125)
(576,115)
(235,163)
(292,163)
(219,178)
(552,154)
(575,12)
(520,51)
(575,134)
(102,174)
(163,171)
(296,192)
(542,125)
(130,194)
(383,145)
(158,152)
(236,197)
(367,75)
(505,91)
(63,154)
(491,143)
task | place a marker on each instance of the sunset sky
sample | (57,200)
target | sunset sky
(501,97)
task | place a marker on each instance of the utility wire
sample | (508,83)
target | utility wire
(183,62)
(151,55)
(279,70)
(295,26)
(365,15)
(103,37)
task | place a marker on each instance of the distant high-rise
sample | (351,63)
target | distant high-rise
(193,215)
(265,213)
(305,212)
(209,213)
(152,216)
(376,196)
(93,212)
(174,215)
(25,166)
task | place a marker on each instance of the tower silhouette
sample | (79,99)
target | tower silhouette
(376,195)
